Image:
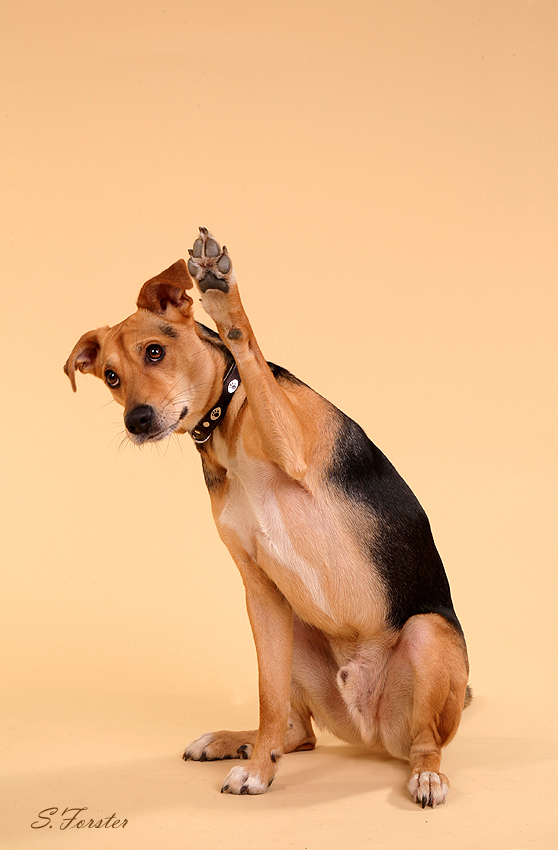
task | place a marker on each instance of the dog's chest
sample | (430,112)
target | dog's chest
(299,539)
(256,491)
(274,521)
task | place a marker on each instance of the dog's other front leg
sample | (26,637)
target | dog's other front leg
(282,436)
(271,619)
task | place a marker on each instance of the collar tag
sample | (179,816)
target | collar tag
(203,430)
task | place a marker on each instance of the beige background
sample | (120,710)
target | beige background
(385,177)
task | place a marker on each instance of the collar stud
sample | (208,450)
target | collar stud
(203,430)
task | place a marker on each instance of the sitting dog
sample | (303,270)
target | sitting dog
(347,597)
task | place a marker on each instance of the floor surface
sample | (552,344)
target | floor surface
(121,758)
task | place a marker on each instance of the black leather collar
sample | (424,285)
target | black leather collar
(202,432)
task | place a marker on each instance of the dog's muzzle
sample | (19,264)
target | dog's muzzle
(139,421)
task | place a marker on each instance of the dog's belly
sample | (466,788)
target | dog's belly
(300,541)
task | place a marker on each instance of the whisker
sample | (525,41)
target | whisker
(114,439)
(179,443)
(102,407)
(123,444)
(169,399)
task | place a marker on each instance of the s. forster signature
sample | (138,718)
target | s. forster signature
(74,819)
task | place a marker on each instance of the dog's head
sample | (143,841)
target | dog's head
(159,364)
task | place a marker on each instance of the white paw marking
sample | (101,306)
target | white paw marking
(240,780)
(195,749)
(215,746)
(428,789)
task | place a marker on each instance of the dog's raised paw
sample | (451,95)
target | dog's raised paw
(428,789)
(209,264)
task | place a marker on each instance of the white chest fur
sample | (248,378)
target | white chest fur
(271,517)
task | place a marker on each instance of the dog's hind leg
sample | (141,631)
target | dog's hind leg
(439,658)
(421,702)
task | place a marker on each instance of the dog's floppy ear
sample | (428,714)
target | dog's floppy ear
(85,355)
(165,294)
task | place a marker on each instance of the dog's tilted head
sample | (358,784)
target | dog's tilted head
(157,363)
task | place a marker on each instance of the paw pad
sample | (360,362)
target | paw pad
(209,264)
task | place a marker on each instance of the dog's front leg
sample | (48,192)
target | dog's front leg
(271,619)
(278,423)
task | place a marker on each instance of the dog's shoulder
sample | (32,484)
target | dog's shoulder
(283,376)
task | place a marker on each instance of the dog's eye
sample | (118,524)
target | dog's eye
(112,379)
(154,353)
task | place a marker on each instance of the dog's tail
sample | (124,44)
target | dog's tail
(468,696)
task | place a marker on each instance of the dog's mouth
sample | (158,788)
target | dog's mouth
(147,429)
(153,437)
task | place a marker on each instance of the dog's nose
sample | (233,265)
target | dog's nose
(138,420)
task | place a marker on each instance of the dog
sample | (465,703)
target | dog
(347,597)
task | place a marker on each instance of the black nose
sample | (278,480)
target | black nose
(138,420)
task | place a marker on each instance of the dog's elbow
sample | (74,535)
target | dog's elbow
(295,467)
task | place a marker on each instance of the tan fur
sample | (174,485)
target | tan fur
(317,608)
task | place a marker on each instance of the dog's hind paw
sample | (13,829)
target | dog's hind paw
(220,745)
(428,789)
(209,264)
